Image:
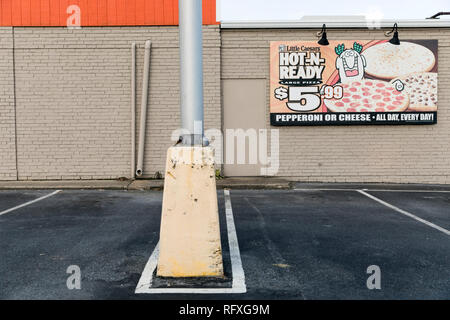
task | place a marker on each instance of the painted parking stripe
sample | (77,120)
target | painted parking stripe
(146,280)
(238,284)
(30,202)
(235,255)
(406,213)
(374,190)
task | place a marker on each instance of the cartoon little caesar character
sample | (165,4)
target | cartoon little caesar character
(350,62)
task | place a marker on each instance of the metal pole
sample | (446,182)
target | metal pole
(133,110)
(191,71)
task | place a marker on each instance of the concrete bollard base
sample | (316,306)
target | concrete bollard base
(190,233)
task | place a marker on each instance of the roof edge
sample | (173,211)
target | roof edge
(422,23)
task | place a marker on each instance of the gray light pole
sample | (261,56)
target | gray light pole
(189,241)
(191,71)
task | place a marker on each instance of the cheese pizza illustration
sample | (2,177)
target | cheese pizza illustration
(350,63)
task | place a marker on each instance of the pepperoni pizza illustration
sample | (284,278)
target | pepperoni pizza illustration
(369,95)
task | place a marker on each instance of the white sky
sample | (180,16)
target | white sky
(295,9)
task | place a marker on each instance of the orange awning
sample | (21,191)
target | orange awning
(97,12)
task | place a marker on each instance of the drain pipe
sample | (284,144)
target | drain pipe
(140,164)
(133,110)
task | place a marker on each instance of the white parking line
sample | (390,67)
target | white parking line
(30,202)
(406,213)
(235,255)
(373,190)
(238,285)
(146,280)
(322,189)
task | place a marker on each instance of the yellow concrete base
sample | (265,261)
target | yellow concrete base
(190,233)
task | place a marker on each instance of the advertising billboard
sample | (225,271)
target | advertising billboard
(353,82)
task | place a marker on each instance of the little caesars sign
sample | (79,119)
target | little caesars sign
(353,82)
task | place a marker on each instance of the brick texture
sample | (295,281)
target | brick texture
(7,114)
(73,96)
(70,106)
(350,153)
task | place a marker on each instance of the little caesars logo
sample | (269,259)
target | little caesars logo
(301,65)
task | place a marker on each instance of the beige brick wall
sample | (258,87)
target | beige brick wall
(7,115)
(73,93)
(350,153)
(164,108)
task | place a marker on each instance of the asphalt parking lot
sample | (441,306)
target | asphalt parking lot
(312,242)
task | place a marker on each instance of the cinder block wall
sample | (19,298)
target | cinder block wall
(404,154)
(73,99)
